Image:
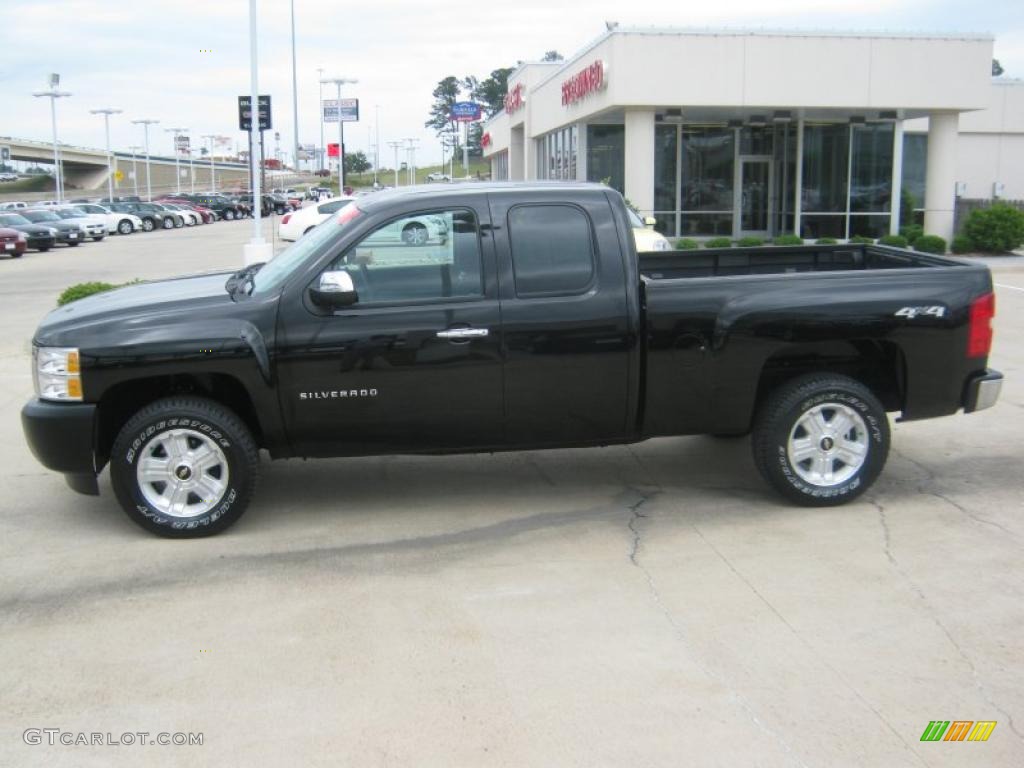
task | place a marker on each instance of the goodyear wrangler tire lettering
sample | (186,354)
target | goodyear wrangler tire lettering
(169,444)
(821,439)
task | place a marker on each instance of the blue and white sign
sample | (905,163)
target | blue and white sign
(349,110)
(466,111)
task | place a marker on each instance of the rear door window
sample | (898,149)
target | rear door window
(552,250)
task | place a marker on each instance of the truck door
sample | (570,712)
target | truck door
(415,363)
(565,318)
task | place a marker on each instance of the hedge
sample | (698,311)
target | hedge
(718,242)
(995,229)
(897,241)
(788,240)
(687,244)
(930,244)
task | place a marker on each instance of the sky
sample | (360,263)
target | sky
(185,62)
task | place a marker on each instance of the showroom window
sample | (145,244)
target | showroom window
(499,167)
(556,155)
(606,155)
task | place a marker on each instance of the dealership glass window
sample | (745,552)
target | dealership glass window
(552,250)
(826,160)
(784,156)
(666,147)
(499,167)
(606,155)
(556,155)
(706,185)
(871,168)
(915,160)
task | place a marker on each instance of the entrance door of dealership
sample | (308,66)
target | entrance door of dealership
(753,202)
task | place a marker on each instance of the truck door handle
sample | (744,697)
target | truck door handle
(455,334)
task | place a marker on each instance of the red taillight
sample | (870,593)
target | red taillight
(284,219)
(979,333)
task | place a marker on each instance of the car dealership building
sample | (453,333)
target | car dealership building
(764,133)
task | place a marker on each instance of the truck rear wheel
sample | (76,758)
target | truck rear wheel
(184,467)
(821,439)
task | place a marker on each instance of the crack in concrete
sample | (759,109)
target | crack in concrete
(929,608)
(927,488)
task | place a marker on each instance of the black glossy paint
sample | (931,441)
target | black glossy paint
(659,344)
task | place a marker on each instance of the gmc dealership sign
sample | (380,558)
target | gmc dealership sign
(585,82)
(514,100)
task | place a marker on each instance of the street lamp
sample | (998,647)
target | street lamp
(135,167)
(295,94)
(320,109)
(177,171)
(411,154)
(145,123)
(107,112)
(257,250)
(395,145)
(53,94)
(212,137)
(340,81)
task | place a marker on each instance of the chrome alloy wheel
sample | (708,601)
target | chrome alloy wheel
(828,444)
(182,473)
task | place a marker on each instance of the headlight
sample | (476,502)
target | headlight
(22,238)
(57,373)
(53,232)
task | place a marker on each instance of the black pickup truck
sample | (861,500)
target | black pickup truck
(525,319)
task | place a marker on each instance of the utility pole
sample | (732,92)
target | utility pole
(107,112)
(53,94)
(295,94)
(177,169)
(256,250)
(395,145)
(340,81)
(135,167)
(320,111)
(145,123)
(411,149)
(376,145)
(213,183)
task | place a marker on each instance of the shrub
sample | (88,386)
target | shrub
(750,241)
(687,244)
(962,244)
(897,241)
(912,232)
(996,229)
(826,241)
(81,290)
(930,244)
(862,240)
(718,242)
(788,240)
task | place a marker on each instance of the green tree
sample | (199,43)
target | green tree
(491,91)
(553,56)
(356,162)
(445,95)
(997,68)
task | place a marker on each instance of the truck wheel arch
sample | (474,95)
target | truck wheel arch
(123,400)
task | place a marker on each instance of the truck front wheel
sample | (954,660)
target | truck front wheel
(821,439)
(184,467)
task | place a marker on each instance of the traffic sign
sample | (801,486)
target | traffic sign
(245,113)
(349,110)
(466,111)
(5,153)
(118,175)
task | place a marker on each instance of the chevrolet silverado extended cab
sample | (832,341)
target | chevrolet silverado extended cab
(527,320)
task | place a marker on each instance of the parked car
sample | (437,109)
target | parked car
(295,225)
(122,223)
(219,204)
(68,232)
(177,219)
(39,237)
(644,235)
(318,193)
(190,217)
(12,242)
(7,176)
(338,347)
(95,227)
(438,176)
(205,214)
(14,205)
(150,219)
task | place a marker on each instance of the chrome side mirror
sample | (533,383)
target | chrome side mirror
(334,289)
(650,221)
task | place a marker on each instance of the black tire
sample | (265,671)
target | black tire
(168,222)
(98,239)
(838,400)
(125,227)
(229,214)
(201,419)
(178,222)
(148,225)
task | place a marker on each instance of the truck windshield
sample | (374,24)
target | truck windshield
(277,270)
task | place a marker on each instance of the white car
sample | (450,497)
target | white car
(294,225)
(644,235)
(191,217)
(438,176)
(122,223)
(6,176)
(13,206)
(93,226)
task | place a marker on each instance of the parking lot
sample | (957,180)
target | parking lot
(649,605)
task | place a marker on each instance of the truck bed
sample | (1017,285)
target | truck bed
(711,262)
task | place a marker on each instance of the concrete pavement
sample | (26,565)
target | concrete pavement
(653,605)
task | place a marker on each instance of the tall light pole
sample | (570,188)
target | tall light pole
(320,110)
(257,250)
(411,150)
(212,137)
(135,167)
(295,94)
(395,145)
(340,81)
(177,170)
(107,112)
(53,94)
(145,123)
(376,144)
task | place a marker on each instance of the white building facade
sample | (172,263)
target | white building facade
(765,133)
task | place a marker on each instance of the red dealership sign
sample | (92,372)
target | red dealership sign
(485,140)
(332,150)
(587,81)
(514,100)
